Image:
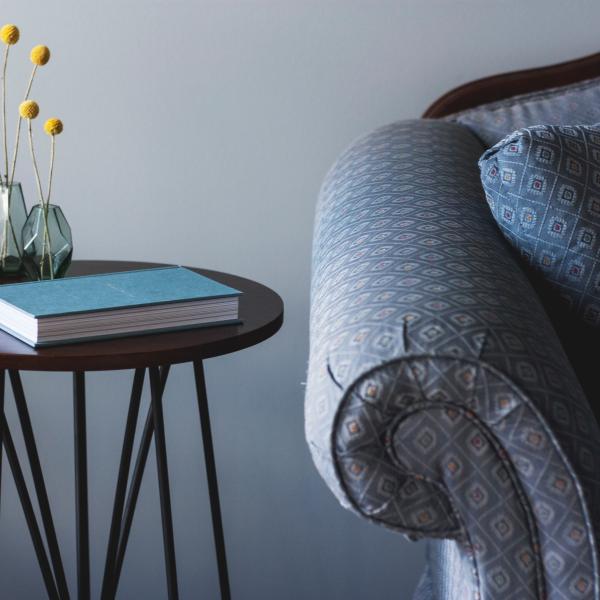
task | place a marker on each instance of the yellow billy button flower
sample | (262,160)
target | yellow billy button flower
(40,55)
(53,126)
(9,34)
(29,109)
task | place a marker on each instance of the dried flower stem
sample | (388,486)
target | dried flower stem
(51,170)
(4,141)
(46,209)
(8,179)
(11,178)
(43,205)
(16,150)
(5,208)
(36,171)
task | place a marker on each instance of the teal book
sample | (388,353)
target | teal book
(115,304)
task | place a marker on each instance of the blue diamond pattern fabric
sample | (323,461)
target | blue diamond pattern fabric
(574,103)
(543,187)
(439,402)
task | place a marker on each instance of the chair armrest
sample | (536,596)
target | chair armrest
(439,401)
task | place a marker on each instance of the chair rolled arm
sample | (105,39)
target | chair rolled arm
(439,400)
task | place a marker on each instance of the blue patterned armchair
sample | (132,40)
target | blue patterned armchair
(443,401)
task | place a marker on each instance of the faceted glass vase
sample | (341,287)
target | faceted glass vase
(12,218)
(47,243)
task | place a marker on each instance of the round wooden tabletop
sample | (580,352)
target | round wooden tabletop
(261,312)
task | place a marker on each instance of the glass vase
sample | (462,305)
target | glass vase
(47,243)
(12,218)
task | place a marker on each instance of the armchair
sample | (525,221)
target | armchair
(441,402)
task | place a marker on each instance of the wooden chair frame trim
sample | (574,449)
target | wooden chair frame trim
(505,85)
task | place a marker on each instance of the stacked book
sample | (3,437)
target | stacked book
(76,309)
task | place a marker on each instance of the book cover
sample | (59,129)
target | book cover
(109,291)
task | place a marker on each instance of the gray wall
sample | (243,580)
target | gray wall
(198,132)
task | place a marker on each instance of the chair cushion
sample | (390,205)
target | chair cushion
(575,103)
(543,186)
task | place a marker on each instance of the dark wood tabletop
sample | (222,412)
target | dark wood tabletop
(261,312)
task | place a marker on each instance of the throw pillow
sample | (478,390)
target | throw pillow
(542,184)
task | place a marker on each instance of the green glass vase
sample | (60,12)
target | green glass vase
(47,243)
(12,218)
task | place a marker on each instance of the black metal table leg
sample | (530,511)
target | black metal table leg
(211,477)
(124,506)
(163,483)
(34,530)
(81,487)
(136,481)
(109,583)
(2,382)
(38,482)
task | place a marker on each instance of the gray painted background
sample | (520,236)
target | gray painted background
(198,132)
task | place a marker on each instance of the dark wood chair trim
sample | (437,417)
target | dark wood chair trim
(505,85)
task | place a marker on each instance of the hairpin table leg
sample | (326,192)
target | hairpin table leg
(81,487)
(136,482)
(211,477)
(2,378)
(109,581)
(163,483)
(34,530)
(124,508)
(38,482)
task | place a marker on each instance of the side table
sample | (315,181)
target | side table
(261,311)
